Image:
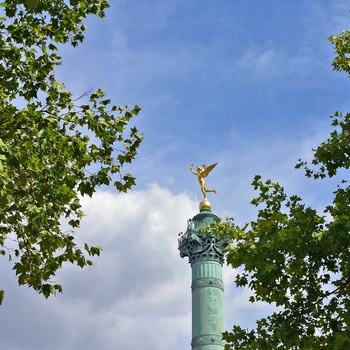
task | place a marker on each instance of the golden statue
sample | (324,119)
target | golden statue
(201,173)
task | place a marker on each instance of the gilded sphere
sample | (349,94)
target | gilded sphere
(205,204)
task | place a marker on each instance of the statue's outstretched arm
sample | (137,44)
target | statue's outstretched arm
(193,172)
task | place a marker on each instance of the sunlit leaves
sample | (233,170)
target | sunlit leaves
(341,44)
(54,147)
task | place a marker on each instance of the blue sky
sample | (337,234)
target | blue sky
(247,84)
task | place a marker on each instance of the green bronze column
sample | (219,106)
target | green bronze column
(206,258)
(205,253)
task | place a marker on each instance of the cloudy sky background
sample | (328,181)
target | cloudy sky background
(248,84)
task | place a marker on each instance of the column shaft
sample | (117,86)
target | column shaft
(207,306)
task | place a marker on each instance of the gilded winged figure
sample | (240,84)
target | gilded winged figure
(201,173)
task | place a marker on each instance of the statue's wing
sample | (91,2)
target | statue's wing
(208,169)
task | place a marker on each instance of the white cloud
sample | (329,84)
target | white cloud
(136,295)
(265,62)
(270,61)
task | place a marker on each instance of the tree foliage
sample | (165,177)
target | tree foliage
(296,258)
(54,147)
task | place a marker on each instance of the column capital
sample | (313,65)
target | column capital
(200,246)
